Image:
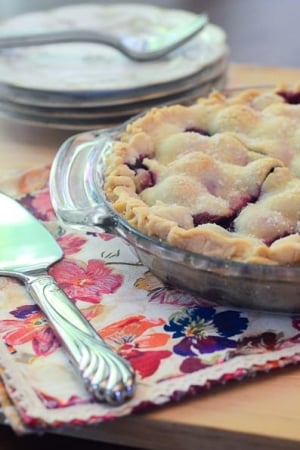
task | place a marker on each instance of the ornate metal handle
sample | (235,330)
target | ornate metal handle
(106,375)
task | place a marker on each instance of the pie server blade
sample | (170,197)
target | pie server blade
(27,250)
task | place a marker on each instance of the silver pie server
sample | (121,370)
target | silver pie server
(27,250)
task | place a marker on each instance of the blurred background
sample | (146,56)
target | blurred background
(259,31)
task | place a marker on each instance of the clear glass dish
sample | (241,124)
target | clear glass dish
(76,189)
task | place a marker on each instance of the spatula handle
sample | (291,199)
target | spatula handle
(106,375)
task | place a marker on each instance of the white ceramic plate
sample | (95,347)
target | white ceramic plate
(76,68)
(79,120)
(108,103)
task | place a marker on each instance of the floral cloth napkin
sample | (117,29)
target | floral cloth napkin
(178,343)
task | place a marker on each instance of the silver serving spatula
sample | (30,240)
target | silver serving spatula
(27,249)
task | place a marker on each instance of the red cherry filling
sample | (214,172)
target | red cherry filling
(293,98)
(269,242)
(197,130)
(225,222)
(145,178)
(202,218)
(138,164)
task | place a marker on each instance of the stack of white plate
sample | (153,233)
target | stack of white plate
(82,85)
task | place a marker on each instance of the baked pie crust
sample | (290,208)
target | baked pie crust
(220,177)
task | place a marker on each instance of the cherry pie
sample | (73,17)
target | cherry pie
(220,177)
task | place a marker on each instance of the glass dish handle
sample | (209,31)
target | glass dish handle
(72,183)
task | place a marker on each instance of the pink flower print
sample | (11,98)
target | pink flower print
(130,337)
(103,236)
(173,296)
(29,325)
(296,323)
(146,363)
(71,244)
(86,283)
(34,180)
(92,311)
(106,236)
(162,294)
(40,205)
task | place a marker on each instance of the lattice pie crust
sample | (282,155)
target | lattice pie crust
(220,177)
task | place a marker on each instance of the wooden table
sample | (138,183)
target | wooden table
(261,413)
